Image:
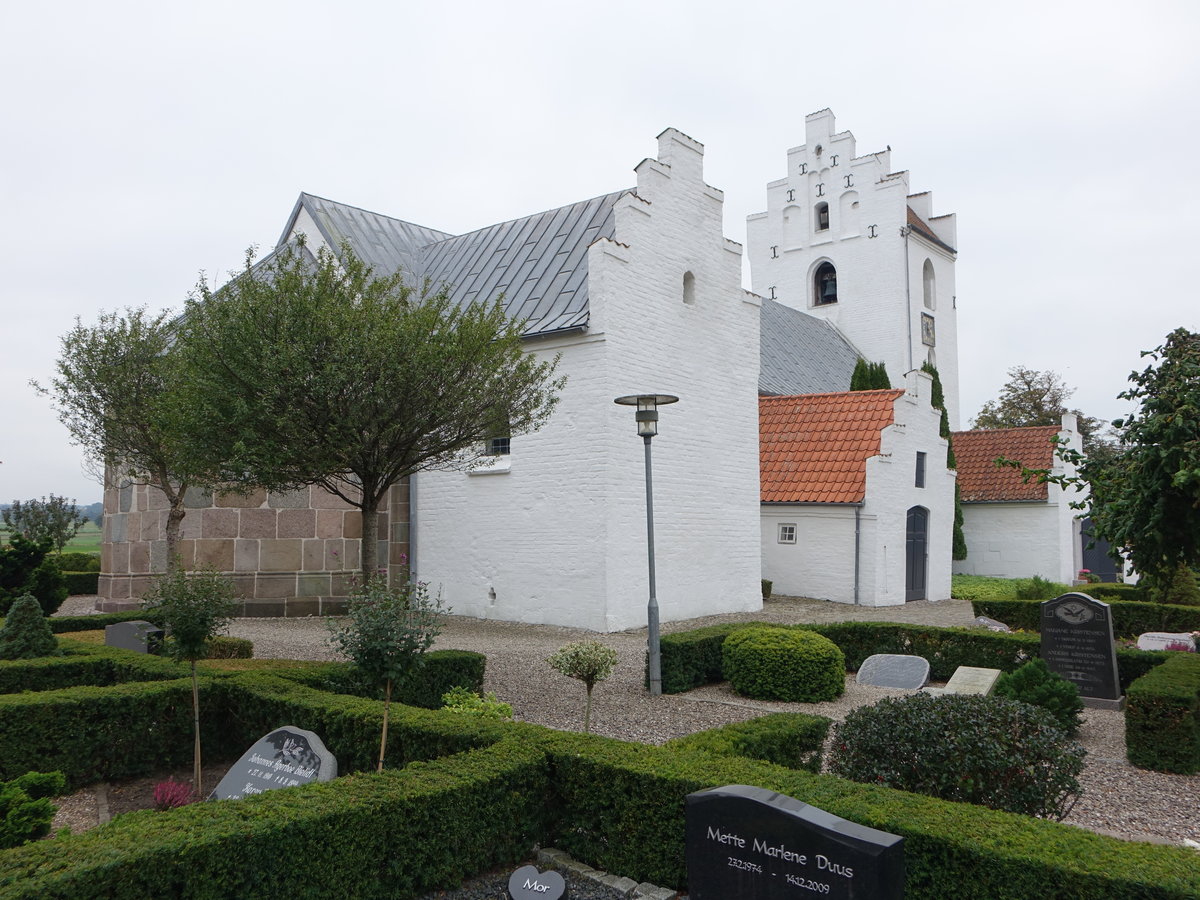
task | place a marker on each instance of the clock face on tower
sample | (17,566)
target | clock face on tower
(928,337)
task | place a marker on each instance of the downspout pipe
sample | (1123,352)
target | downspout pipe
(857,549)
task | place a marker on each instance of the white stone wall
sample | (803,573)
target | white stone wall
(821,562)
(560,538)
(878,260)
(1020,540)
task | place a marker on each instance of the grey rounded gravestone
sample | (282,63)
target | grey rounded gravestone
(893,670)
(286,757)
(527,883)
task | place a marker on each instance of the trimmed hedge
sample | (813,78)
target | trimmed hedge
(81,583)
(1130,617)
(395,834)
(769,662)
(500,787)
(1162,716)
(83,664)
(792,740)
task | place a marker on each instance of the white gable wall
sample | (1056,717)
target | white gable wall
(560,538)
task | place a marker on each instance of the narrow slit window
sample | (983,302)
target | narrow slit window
(689,288)
(920,480)
(822,217)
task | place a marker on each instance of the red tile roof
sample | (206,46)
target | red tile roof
(814,448)
(980,479)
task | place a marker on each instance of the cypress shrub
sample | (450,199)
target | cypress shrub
(1036,685)
(25,634)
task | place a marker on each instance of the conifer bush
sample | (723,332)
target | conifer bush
(1036,685)
(25,811)
(26,633)
(991,751)
(789,664)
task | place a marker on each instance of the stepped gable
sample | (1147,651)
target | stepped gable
(814,448)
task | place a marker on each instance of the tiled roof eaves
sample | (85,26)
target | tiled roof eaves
(919,226)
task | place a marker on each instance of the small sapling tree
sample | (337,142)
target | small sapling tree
(194,606)
(587,661)
(386,633)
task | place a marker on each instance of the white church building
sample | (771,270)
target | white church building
(640,292)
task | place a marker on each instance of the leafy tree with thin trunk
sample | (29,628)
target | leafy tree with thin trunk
(322,373)
(385,635)
(56,519)
(115,392)
(194,607)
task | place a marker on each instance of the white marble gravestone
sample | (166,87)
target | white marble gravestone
(893,670)
(1165,640)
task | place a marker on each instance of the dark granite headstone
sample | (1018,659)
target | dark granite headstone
(138,636)
(527,883)
(1077,643)
(749,843)
(286,757)
(893,670)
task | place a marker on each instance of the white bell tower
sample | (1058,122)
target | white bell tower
(842,239)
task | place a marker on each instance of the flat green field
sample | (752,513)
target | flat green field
(87,541)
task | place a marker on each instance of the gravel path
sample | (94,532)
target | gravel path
(1118,799)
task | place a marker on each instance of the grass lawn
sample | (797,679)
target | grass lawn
(88,539)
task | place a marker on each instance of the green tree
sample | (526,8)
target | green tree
(194,607)
(321,373)
(1031,397)
(26,567)
(26,634)
(115,392)
(56,519)
(1148,499)
(386,633)
(869,376)
(587,661)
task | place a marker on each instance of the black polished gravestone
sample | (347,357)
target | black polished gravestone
(749,843)
(1077,643)
(286,757)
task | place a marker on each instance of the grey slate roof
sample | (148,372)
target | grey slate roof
(801,354)
(539,263)
(384,243)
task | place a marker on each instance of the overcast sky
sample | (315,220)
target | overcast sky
(144,142)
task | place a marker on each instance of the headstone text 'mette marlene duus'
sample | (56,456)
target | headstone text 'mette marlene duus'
(749,843)
(1077,643)
(286,757)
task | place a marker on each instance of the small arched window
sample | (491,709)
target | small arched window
(689,288)
(929,285)
(822,217)
(825,285)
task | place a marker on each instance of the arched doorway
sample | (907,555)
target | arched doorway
(916,554)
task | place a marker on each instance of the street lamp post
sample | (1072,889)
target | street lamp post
(647,426)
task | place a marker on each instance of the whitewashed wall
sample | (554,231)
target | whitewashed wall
(879,262)
(560,537)
(821,562)
(1020,540)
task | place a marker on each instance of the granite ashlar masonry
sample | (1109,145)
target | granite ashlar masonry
(288,554)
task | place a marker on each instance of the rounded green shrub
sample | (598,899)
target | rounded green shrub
(1036,685)
(26,633)
(991,751)
(771,663)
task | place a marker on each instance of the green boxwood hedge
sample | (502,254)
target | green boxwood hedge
(1162,716)
(81,583)
(1130,617)
(472,794)
(792,740)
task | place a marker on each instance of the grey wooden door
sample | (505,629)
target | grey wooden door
(916,554)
